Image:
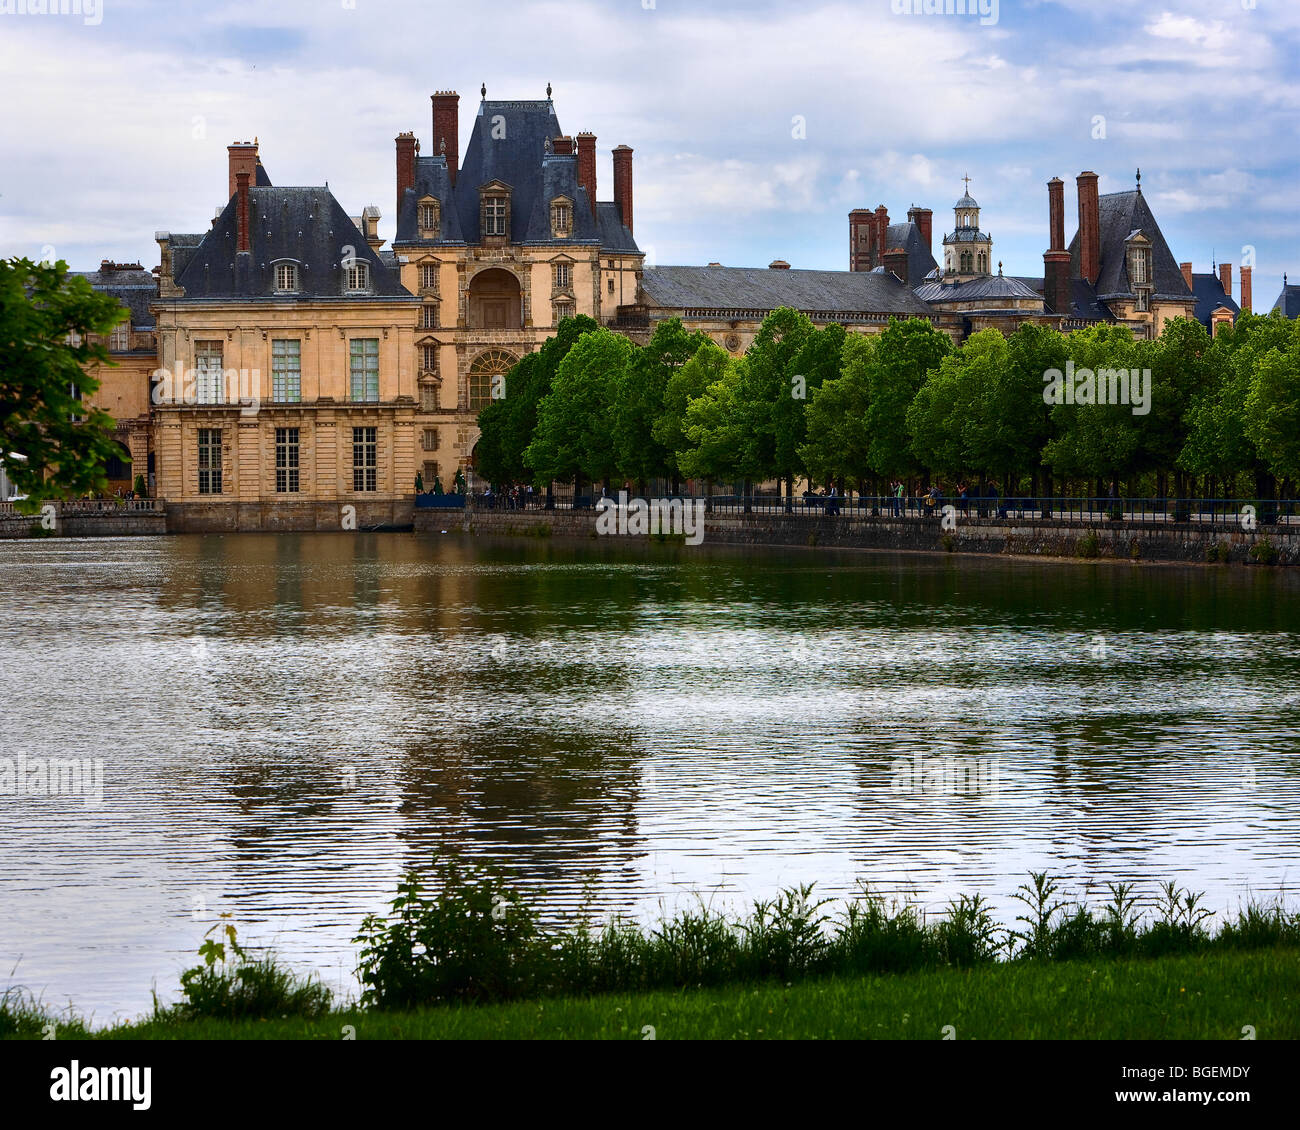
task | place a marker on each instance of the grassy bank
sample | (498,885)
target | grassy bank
(468,958)
(1208,997)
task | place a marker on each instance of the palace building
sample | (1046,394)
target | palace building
(283,369)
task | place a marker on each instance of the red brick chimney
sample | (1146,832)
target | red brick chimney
(1056,214)
(1186,268)
(1056,260)
(861,224)
(1225,277)
(882,235)
(896,263)
(923,218)
(778,265)
(241,209)
(1089,227)
(587,166)
(623,183)
(1245,289)
(242,158)
(562,146)
(446,129)
(407,150)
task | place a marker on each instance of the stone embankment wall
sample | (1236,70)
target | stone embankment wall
(1143,541)
(79,520)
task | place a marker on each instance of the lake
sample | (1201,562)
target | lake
(288,723)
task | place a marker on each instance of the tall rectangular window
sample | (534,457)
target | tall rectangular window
(494,216)
(364,459)
(286,370)
(207,363)
(209,461)
(428,398)
(119,341)
(286,460)
(429,317)
(429,358)
(428,277)
(563,275)
(365,368)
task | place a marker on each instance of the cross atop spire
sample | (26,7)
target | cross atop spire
(967,180)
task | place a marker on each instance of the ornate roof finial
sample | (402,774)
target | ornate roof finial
(546,145)
(967,181)
(999,268)
(483,92)
(1139,181)
(548,91)
(442,148)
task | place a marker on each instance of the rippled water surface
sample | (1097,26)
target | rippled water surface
(288,723)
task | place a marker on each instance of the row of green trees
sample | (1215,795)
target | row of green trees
(860,410)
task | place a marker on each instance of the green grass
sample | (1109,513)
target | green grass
(1211,996)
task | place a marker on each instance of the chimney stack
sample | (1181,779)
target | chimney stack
(408,148)
(587,166)
(562,146)
(1089,227)
(241,209)
(1245,289)
(882,235)
(1056,259)
(923,218)
(1186,268)
(861,226)
(896,263)
(1056,213)
(623,183)
(1225,277)
(778,265)
(242,158)
(446,129)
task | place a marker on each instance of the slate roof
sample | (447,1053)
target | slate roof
(967,235)
(992,286)
(306,225)
(508,144)
(134,289)
(1121,214)
(1210,295)
(907,236)
(1288,301)
(1083,297)
(762,288)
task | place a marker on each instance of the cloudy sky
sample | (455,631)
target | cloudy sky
(756,125)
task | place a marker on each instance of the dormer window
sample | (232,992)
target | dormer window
(494,216)
(429,218)
(561,219)
(286,278)
(358,274)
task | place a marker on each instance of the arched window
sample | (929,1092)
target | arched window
(483,373)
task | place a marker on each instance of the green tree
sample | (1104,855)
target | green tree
(952,420)
(818,361)
(772,416)
(718,430)
(639,400)
(1272,410)
(52,443)
(575,419)
(905,352)
(1097,440)
(837,443)
(507,425)
(692,380)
